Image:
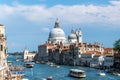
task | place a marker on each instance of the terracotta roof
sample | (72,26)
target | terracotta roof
(108,48)
(92,52)
(48,44)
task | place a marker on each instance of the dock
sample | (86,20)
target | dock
(16,73)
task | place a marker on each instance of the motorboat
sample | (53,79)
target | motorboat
(29,64)
(50,78)
(58,66)
(116,73)
(77,73)
(101,74)
(25,79)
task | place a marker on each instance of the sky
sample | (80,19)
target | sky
(28,22)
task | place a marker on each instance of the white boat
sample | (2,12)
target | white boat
(25,79)
(50,78)
(58,66)
(77,73)
(101,74)
(116,73)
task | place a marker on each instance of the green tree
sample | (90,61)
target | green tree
(117,45)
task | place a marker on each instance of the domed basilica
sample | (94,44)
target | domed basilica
(74,51)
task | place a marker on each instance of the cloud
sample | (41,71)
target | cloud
(74,14)
(5,11)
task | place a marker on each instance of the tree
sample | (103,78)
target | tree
(117,45)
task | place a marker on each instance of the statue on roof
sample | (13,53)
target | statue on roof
(56,24)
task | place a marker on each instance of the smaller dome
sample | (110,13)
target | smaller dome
(72,36)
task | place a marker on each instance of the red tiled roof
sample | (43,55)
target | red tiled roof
(108,48)
(93,52)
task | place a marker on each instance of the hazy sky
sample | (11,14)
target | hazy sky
(28,22)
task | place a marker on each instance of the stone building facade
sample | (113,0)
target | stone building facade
(28,56)
(3,47)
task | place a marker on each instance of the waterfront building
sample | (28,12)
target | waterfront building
(92,59)
(117,61)
(108,61)
(87,58)
(28,56)
(97,61)
(109,51)
(45,51)
(73,52)
(109,57)
(3,48)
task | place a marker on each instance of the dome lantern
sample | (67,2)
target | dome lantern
(56,24)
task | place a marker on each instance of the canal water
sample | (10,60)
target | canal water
(42,71)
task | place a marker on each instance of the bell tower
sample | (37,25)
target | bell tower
(79,35)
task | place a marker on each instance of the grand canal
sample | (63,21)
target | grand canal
(42,71)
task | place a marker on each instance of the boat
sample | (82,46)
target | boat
(25,79)
(58,66)
(101,74)
(50,78)
(17,60)
(29,64)
(116,73)
(77,73)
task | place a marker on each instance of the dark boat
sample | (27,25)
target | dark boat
(50,78)
(29,64)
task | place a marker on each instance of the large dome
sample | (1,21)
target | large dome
(57,35)
(57,32)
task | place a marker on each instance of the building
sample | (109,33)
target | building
(3,47)
(109,57)
(59,51)
(108,61)
(28,56)
(45,52)
(87,58)
(75,36)
(109,51)
(117,61)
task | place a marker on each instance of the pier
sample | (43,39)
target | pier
(16,72)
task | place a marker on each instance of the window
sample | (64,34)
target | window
(1,47)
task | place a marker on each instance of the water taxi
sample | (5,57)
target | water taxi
(77,73)
(101,74)
(116,73)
